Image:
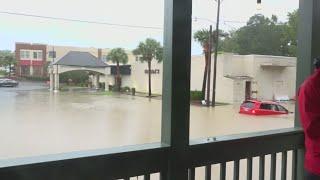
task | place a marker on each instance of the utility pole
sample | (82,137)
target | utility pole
(216,56)
(209,66)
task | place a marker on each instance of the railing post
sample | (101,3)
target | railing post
(308,49)
(176,85)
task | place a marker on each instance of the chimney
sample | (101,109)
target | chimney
(100,54)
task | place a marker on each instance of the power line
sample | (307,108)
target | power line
(105,23)
(82,21)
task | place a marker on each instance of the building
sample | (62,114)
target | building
(239,77)
(31,60)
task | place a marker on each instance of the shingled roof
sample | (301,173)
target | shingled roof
(82,59)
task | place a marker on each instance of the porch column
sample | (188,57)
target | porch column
(56,80)
(308,49)
(106,83)
(97,81)
(94,82)
(176,86)
(51,79)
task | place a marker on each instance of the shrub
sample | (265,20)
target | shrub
(78,77)
(195,95)
(32,78)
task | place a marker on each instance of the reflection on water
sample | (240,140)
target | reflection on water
(34,121)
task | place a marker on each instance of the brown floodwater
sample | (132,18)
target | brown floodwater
(34,121)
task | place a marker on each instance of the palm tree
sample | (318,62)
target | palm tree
(203,36)
(148,51)
(118,55)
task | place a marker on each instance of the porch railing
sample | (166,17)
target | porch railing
(143,160)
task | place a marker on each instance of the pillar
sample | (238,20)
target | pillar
(56,79)
(176,86)
(95,81)
(51,81)
(106,83)
(56,82)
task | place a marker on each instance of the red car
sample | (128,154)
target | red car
(253,107)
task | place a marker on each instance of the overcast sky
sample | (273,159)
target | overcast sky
(131,12)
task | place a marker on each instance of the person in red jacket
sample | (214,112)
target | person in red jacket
(309,108)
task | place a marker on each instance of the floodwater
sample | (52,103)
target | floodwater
(34,121)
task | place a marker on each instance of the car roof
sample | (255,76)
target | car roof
(262,102)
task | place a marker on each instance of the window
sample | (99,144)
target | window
(248,105)
(271,107)
(25,70)
(40,55)
(281,108)
(52,54)
(37,55)
(24,54)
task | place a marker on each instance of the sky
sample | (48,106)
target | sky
(128,12)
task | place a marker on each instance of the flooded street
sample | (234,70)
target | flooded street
(35,121)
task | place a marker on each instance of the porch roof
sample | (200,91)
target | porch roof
(81,59)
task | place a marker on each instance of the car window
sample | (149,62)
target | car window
(265,106)
(271,107)
(274,107)
(248,104)
(281,108)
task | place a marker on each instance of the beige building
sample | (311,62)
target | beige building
(238,77)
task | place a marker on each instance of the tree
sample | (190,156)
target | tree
(148,51)
(202,36)
(118,55)
(292,29)
(263,35)
(8,60)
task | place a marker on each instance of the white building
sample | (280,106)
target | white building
(238,77)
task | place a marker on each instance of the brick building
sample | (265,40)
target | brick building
(31,60)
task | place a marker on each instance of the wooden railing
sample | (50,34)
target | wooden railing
(143,160)
(246,147)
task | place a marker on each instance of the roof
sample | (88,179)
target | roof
(82,59)
(257,101)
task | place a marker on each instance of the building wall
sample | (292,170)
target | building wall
(274,76)
(224,86)
(267,81)
(64,50)
(30,66)
(271,76)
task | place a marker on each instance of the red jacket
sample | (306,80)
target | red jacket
(309,107)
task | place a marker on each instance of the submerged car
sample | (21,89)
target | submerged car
(253,107)
(8,83)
